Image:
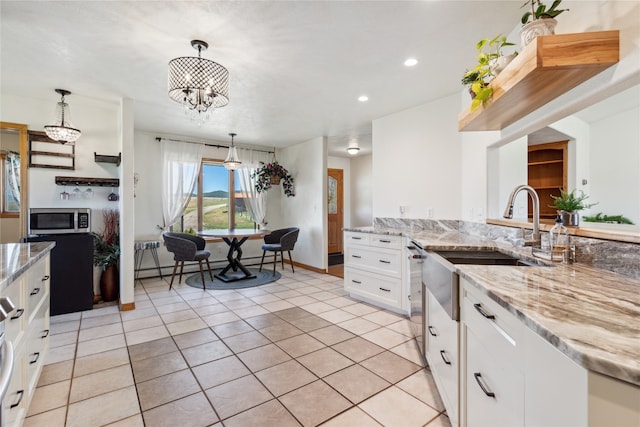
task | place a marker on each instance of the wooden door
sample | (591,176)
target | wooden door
(334,210)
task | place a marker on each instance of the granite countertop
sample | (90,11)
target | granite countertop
(16,258)
(589,314)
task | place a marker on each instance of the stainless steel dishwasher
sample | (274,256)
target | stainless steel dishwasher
(417,295)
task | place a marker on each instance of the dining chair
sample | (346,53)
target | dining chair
(279,241)
(187,247)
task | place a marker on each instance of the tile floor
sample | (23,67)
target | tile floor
(295,352)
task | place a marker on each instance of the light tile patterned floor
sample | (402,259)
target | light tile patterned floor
(295,352)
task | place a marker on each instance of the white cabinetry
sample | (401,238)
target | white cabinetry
(374,269)
(510,376)
(28,330)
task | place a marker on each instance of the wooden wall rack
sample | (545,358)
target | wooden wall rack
(88,182)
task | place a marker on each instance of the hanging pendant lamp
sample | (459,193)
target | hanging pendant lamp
(232,162)
(63,131)
(198,84)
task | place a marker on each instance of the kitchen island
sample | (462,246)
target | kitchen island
(588,315)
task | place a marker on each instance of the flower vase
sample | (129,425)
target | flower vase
(538,27)
(110,283)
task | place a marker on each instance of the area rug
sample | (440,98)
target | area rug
(262,278)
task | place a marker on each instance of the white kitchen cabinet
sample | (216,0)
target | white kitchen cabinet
(443,355)
(28,330)
(534,383)
(374,270)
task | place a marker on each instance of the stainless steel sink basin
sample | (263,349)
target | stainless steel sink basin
(482,257)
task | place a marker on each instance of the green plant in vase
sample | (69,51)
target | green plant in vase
(569,204)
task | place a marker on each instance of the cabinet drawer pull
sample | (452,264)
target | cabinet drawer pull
(21,393)
(484,388)
(385,289)
(356,256)
(45,334)
(35,291)
(384,241)
(442,353)
(432,331)
(19,313)
(356,282)
(478,307)
(45,278)
(356,238)
(384,261)
(37,356)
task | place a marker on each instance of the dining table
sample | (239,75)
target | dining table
(235,238)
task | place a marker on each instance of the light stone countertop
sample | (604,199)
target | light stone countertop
(16,258)
(591,315)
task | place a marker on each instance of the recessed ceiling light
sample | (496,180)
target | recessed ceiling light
(410,62)
(363,98)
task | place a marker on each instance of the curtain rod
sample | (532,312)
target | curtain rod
(213,145)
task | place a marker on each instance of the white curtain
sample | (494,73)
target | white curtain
(13,163)
(180,169)
(256,203)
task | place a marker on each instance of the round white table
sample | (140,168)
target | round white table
(234,238)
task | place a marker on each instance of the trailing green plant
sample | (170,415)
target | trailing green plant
(266,171)
(571,202)
(539,10)
(479,76)
(106,245)
(615,219)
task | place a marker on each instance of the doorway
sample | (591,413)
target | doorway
(335,216)
(13,182)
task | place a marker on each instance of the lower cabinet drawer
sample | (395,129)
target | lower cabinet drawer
(37,285)
(37,345)
(15,401)
(494,391)
(374,286)
(384,261)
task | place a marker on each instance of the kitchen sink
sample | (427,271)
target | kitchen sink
(483,257)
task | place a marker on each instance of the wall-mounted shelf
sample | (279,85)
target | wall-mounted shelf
(44,152)
(89,182)
(103,158)
(545,69)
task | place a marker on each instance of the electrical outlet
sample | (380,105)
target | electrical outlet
(429,212)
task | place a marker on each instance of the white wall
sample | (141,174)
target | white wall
(417,162)
(308,209)
(361,191)
(344,164)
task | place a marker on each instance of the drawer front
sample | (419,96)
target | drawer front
(352,238)
(384,261)
(15,401)
(443,353)
(494,391)
(37,345)
(376,287)
(496,328)
(37,285)
(384,241)
(15,324)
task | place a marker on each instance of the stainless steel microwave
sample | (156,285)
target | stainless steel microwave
(59,220)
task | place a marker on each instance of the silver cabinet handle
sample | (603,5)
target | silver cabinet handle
(442,354)
(37,356)
(385,289)
(384,261)
(480,310)
(45,278)
(356,256)
(384,241)
(356,282)
(432,331)
(35,291)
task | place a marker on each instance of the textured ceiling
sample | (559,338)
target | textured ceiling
(297,67)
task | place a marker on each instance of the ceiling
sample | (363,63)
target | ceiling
(296,67)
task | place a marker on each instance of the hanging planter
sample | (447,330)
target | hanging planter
(270,174)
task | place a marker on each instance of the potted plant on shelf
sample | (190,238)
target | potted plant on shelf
(539,21)
(491,61)
(106,254)
(568,206)
(270,174)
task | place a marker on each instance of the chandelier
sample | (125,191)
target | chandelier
(199,84)
(63,131)
(232,162)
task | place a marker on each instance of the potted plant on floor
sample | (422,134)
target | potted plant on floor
(270,174)
(539,21)
(568,206)
(106,254)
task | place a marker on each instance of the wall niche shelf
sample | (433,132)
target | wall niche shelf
(87,182)
(545,69)
(103,158)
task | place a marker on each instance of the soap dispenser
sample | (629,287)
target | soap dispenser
(559,241)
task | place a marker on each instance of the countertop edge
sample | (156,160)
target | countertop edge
(36,251)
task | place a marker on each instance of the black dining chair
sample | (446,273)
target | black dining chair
(187,247)
(280,241)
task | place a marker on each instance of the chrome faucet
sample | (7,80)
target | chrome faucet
(508,213)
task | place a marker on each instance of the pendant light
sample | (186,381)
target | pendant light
(232,162)
(353,147)
(63,131)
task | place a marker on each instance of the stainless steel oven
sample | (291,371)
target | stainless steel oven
(59,220)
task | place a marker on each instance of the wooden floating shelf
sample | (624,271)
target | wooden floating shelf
(103,158)
(545,69)
(88,182)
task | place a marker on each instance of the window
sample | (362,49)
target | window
(217,201)
(10,184)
